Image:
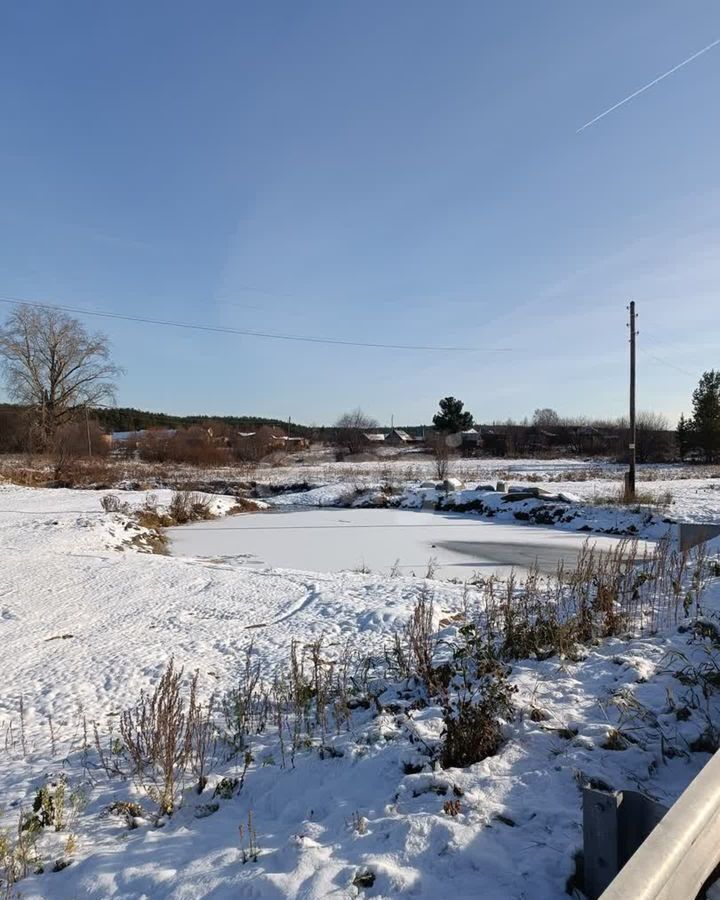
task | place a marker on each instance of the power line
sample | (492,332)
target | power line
(660,359)
(666,362)
(243,332)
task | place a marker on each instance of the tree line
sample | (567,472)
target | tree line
(126,418)
(63,383)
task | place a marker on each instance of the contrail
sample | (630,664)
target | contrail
(649,85)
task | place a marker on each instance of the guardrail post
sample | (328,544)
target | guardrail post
(690,534)
(600,840)
(614,825)
(637,816)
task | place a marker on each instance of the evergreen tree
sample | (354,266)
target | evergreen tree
(451,418)
(706,415)
(684,435)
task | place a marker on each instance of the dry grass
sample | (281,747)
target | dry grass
(641,500)
(607,593)
(18,856)
(166,737)
(184,507)
(243,504)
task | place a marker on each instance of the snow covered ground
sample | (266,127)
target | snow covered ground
(87,622)
(686,492)
(677,489)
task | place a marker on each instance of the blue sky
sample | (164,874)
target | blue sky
(403,172)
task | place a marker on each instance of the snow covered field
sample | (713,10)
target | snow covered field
(453,545)
(87,622)
(688,493)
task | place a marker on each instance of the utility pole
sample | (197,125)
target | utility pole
(630,487)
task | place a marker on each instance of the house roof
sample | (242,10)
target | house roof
(376,438)
(124,436)
(403,435)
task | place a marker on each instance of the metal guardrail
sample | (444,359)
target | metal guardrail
(681,852)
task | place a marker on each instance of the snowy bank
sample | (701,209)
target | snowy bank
(365,808)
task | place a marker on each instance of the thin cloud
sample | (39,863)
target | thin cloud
(648,86)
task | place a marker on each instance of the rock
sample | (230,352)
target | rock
(486,487)
(501,487)
(429,484)
(452,484)
(569,498)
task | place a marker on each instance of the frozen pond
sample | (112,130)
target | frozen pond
(333,540)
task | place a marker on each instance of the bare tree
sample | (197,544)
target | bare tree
(350,428)
(54,367)
(545,418)
(442,453)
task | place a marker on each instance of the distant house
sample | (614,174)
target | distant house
(471,438)
(374,438)
(297,443)
(398,438)
(495,442)
(264,440)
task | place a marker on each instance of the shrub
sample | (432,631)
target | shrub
(193,445)
(69,471)
(165,736)
(241,704)
(442,454)
(186,506)
(48,807)
(18,856)
(477,701)
(150,516)
(111,503)
(422,641)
